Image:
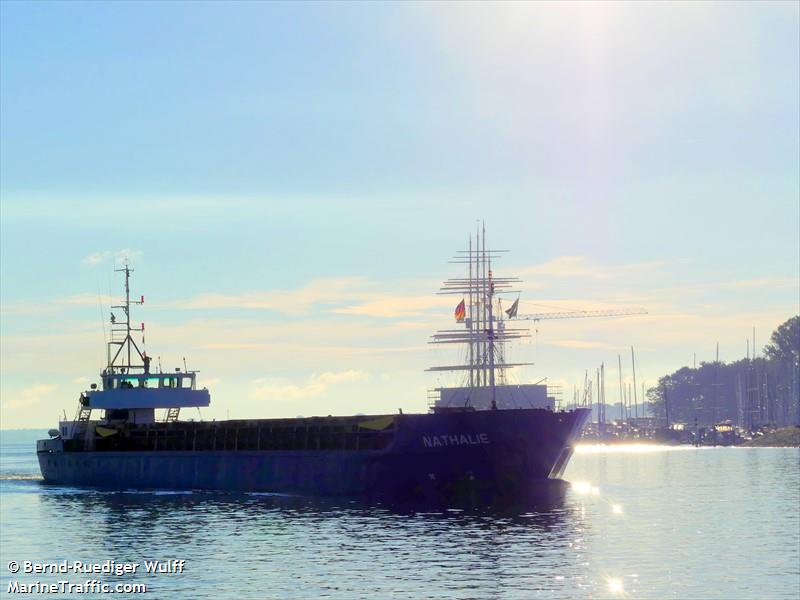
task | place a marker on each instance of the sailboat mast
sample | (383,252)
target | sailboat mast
(635,399)
(598,398)
(491,331)
(602,415)
(621,389)
(716,387)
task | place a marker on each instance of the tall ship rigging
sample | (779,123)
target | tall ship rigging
(484,440)
(486,330)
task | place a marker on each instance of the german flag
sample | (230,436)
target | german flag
(461,312)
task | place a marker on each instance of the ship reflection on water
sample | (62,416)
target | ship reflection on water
(547,497)
(340,547)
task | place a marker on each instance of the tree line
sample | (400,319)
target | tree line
(750,392)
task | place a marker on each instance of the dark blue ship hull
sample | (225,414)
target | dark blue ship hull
(483,455)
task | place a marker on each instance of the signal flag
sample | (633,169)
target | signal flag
(461,312)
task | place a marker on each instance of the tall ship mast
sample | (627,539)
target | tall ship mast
(485,332)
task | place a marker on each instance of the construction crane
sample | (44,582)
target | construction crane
(581,314)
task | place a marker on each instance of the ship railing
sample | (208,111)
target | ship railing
(434,396)
(76,429)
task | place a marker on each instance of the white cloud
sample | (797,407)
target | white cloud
(30,396)
(583,344)
(103,300)
(117,255)
(763,283)
(564,267)
(294,302)
(329,378)
(356,296)
(395,306)
(314,386)
(9,309)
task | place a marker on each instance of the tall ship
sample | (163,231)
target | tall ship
(484,439)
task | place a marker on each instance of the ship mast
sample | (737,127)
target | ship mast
(126,346)
(471,314)
(490,301)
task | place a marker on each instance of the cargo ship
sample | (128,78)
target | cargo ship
(483,440)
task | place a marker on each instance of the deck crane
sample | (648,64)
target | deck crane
(581,314)
(575,314)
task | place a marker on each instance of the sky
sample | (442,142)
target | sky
(289,181)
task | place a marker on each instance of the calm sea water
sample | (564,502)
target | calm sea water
(653,522)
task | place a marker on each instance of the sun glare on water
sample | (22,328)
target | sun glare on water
(627,448)
(585,487)
(615,585)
